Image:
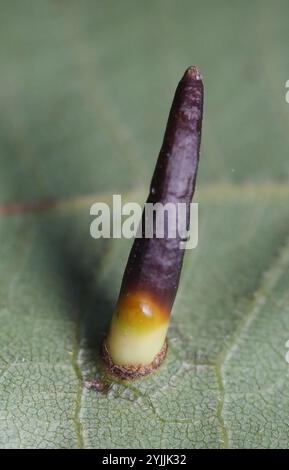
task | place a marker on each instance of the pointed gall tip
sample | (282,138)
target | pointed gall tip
(193,73)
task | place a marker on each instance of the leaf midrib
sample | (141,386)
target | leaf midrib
(207,193)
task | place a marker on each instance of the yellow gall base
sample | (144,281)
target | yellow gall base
(138,330)
(130,372)
(130,346)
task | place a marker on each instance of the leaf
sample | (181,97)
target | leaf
(84,94)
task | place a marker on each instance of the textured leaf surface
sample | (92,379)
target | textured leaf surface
(84,92)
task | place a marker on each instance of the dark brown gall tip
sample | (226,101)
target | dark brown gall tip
(193,73)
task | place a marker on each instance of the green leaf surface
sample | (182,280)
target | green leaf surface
(85,90)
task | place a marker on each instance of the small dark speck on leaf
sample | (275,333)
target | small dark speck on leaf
(95,385)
